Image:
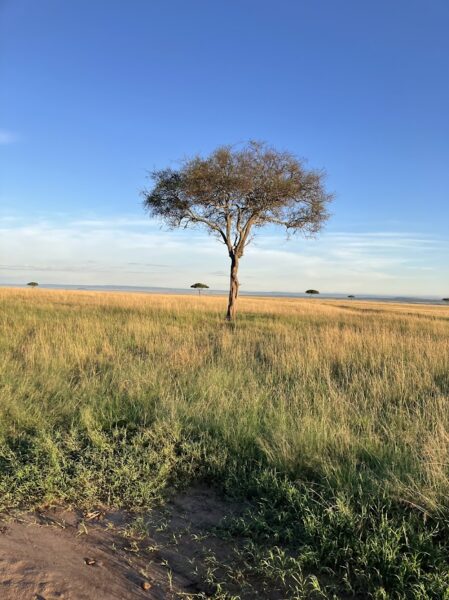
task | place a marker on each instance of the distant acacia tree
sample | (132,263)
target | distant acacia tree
(445,299)
(351,297)
(199,287)
(234,192)
(312,292)
(33,284)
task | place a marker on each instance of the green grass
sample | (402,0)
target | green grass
(330,419)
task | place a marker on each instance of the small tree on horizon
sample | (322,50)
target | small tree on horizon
(312,292)
(199,287)
(233,192)
(33,284)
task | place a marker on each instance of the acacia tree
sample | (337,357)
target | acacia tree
(234,192)
(199,287)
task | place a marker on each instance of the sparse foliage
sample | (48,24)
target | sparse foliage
(312,292)
(233,192)
(33,284)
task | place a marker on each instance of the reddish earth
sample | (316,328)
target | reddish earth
(70,555)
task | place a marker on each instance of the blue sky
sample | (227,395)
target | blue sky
(96,92)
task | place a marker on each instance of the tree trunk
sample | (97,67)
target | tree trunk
(233,289)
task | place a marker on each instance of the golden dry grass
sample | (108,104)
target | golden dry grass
(319,388)
(329,417)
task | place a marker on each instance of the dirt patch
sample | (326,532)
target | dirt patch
(167,553)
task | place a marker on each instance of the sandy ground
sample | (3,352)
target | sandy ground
(100,555)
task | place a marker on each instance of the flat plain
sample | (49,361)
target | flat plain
(326,421)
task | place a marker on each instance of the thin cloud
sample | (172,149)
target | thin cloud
(139,264)
(8,137)
(112,223)
(119,251)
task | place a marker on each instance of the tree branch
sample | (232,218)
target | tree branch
(198,219)
(245,230)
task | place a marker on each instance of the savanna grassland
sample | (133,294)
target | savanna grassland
(328,419)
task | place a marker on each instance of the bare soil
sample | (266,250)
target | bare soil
(74,555)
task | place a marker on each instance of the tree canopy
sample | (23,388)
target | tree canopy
(201,286)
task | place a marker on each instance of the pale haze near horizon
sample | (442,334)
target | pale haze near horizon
(139,252)
(94,94)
